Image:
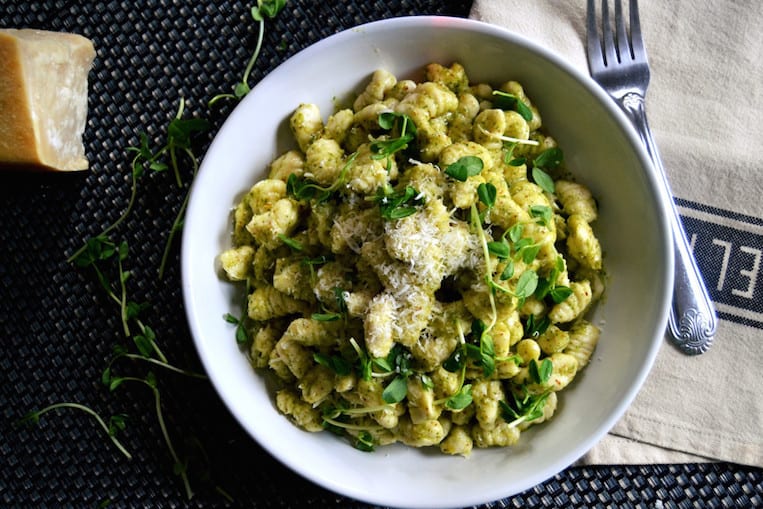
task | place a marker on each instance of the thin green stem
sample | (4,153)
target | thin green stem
(180,468)
(88,410)
(123,300)
(253,59)
(165,365)
(130,204)
(177,224)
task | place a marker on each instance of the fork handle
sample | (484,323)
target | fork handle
(692,321)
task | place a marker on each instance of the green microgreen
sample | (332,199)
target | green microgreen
(116,422)
(399,123)
(461,399)
(264,9)
(465,167)
(398,204)
(534,326)
(540,372)
(542,213)
(241,335)
(547,285)
(293,244)
(508,270)
(326,317)
(398,361)
(523,407)
(500,249)
(487,194)
(549,159)
(303,189)
(509,102)
(335,363)
(179,467)
(364,441)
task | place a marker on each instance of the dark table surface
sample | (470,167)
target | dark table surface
(59,327)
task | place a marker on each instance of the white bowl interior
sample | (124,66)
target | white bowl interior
(601,150)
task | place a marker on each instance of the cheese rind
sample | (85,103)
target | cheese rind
(43,99)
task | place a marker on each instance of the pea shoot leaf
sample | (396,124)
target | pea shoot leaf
(461,399)
(550,158)
(507,101)
(526,284)
(269,8)
(540,373)
(523,407)
(543,180)
(335,363)
(465,167)
(534,326)
(294,245)
(398,204)
(396,391)
(400,124)
(499,249)
(487,194)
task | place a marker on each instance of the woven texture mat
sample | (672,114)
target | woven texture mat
(59,327)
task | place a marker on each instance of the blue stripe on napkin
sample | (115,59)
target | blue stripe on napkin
(729,251)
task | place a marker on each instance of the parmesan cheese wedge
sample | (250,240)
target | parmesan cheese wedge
(43,99)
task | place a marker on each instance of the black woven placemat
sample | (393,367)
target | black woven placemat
(58,325)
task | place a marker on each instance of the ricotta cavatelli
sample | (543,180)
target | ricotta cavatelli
(420,267)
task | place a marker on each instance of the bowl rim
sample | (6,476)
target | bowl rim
(653,181)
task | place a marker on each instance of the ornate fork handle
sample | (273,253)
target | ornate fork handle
(692,320)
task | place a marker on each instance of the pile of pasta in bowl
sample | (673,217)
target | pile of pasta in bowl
(419,268)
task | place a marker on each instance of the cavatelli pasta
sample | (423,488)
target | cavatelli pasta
(417,271)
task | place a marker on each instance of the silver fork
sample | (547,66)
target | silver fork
(619,64)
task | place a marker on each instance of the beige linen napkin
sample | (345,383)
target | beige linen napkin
(705,106)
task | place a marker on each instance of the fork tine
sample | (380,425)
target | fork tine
(595,57)
(637,41)
(609,50)
(623,46)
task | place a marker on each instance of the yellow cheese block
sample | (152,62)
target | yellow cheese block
(43,99)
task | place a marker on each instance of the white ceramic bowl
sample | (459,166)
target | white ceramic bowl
(601,149)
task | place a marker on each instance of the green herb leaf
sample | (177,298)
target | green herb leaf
(398,204)
(461,399)
(326,317)
(526,284)
(269,8)
(364,441)
(560,293)
(550,158)
(530,252)
(487,355)
(293,244)
(499,249)
(396,391)
(534,327)
(507,101)
(335,363)
(393,121)
(455,360)
(508,270)
(542,213)
(465,167)
(144,345)
(540,373)
(487,194)
(179,131)
(543,180)
(524,408)
(515,232)
(241,335)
